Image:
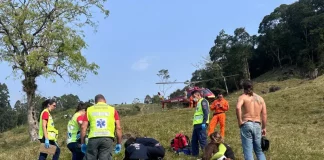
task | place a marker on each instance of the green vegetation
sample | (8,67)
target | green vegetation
(294,124)
(292,36)
(44,39)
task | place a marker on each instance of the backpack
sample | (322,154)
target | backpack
(180,141)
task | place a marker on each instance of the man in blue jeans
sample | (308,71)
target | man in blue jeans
(200,123)
(249,121)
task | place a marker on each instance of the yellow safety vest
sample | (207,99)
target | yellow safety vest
(101,118)
(199,114)
(73,129)
(52,133)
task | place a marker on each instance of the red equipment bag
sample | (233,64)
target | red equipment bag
(180,141)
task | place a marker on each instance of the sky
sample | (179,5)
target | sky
(141,37)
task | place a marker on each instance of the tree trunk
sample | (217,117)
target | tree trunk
(29,86)
(246,71)
(278,57)
(290,59)
(237,87)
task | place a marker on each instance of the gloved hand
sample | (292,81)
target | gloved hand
(117,148)
(83,148)
(47,143)
(203,126)
(78,136)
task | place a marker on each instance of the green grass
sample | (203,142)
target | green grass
(295,124)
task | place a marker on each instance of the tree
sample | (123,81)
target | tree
(156,99)
(4,96)
(219,53)
(241,51)
(45,38)
(136,101)
(164,78)
(148,99)
(8,116)
(21,110)
(176,93)
(67,101)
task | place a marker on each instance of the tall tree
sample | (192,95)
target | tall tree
(4,96)
(8,116)
(21,110)
(241,50)
(45,38)
(164,77)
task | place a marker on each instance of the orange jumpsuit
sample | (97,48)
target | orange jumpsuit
(219,106)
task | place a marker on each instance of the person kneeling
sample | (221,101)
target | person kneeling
(217,149)
(135,151)
(155,150)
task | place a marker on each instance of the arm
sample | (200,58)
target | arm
(239,111)
(264,118)
(225,106)
(84,127)
(44,128)
(45,118)
(118,128)
(119,132)
(205,110)
(213,105)
(80,120)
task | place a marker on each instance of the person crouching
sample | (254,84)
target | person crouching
(217,149)
(135,151)
(155,150)
(73,129)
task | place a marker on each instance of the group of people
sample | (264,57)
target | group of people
(251,115)
(92,130)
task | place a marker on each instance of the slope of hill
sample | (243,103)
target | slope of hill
(295,125)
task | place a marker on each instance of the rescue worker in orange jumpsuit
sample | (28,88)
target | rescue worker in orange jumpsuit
(219,106)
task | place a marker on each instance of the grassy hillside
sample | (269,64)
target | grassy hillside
(295,124)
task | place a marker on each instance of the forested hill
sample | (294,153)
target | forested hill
(291,39)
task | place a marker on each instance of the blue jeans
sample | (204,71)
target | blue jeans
(198,135)
(251,140)
(56,156)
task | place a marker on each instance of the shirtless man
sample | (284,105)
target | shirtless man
(253,108)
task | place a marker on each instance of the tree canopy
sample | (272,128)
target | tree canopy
(291,36)
(45,38)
